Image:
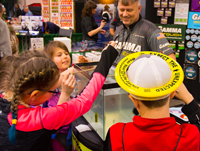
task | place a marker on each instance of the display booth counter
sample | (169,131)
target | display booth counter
(111,106)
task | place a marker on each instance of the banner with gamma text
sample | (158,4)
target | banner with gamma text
(173,32)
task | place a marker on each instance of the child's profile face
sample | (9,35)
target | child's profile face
(61,58)
(46,96)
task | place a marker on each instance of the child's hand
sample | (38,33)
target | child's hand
(68,83)
(69,70)
(82,59)
(112,43)
(183,94)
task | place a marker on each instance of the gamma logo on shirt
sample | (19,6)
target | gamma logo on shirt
(128,46)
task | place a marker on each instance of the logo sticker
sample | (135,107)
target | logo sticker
(138,35)
(160,36)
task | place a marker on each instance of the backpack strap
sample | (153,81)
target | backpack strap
(122,136)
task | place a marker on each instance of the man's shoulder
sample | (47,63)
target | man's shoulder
(1,21)
(3,24)
(146,27)
(117,126)
(147,23)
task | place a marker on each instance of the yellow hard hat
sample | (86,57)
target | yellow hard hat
(149,75)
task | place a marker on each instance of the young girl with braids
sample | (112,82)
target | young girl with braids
(32,82)
(59,53)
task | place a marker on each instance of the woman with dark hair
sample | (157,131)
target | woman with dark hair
(17,10)
(89,27)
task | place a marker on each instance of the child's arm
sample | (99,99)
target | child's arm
(67,112)
(183,94)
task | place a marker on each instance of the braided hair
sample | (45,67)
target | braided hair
(33,70)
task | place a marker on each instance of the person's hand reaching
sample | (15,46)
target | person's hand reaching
(112,43)
(102,31)
(183,94)
(103,23)
(68,84)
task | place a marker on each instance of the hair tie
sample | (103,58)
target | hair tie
(14,121)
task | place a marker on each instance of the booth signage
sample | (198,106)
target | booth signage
(173,32)
(194,20)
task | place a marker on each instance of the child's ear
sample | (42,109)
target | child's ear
(34,94)
(172,94)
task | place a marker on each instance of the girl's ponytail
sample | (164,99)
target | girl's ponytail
(11,134)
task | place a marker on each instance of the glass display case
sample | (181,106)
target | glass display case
(112,104)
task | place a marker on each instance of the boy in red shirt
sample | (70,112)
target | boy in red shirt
(152,80)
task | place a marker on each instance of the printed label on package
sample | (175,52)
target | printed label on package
(168,12)
(160,12)
(193,37)
(198,63)
(194,20)
(192,56)
(190,72)
(192,31)
(196,45)
(164,3)
(187,37)
(164,20)
(188,31)
(196,32)
(189,44)
(172,3)
(156,3)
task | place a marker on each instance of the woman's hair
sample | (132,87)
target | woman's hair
(87,10)
(16,4)
(32,70)
(50,47)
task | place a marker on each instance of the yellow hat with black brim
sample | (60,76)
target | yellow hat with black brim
(149,75)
